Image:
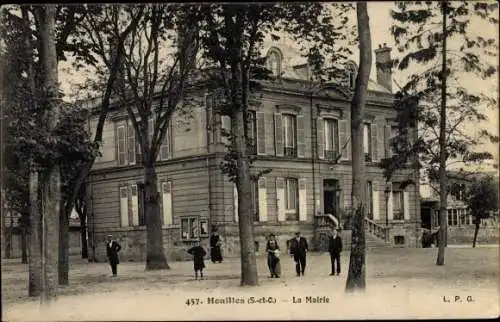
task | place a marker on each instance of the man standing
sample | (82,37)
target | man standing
(299,248)
(112,249)
(335,248)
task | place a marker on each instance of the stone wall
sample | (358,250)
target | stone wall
(465,235)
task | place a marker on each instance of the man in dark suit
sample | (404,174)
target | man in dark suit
(335,248)
(299,248)
(112,249)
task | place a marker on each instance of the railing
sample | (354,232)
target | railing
(377,230)
(326,220)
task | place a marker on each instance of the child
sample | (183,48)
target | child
(198,254)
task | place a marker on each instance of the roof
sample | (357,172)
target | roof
(292,59)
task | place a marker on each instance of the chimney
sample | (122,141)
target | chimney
(384,73)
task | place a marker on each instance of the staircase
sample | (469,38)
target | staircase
(376,236)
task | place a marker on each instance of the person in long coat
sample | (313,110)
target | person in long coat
(273,260)
(198,259)
(215,243)
(112,249)
(298,249)
(335,248)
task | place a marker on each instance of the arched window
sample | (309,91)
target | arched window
(273,61)
(351,71)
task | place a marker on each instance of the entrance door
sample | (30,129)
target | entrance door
(331,195)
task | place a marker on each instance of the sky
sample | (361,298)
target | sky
(380,21)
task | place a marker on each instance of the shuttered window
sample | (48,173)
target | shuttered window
(331,140)
(252,133)
(289,135)
(291,199)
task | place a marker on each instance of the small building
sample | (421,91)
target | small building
(459,218)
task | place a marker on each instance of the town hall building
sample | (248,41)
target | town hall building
(301,131)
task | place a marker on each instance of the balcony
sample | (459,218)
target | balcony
(290,152)
(251,149)
(331,155)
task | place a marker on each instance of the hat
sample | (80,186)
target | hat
(109,235)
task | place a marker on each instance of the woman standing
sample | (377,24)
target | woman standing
(215,244)
(273,261)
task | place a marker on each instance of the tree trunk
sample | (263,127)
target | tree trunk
(477,222)
(63,264)
(51,196)
(155,258)
(249,274)
(8,241)
(356,274)
(443,181)
(35,241)
(24,246)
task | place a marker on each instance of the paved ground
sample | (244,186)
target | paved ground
(400,283)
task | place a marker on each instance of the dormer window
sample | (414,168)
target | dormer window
(351,73)
(273,61)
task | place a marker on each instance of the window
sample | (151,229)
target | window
(290,135)
(369,201)
(397,202)
(393,134)
(142,218)
(203,228)
(331,139)
(291,200)
(453,219)
(252,133)
(367,135)
(273,63)
(189,228)
(255,200)
(351,73)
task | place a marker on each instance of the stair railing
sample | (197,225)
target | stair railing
(377,230)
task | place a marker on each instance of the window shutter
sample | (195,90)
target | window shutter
(235,202)
(124,206)
(301,140)
(165,148)
(261,133)
(406,205)
(390,213)
(388,149)
(268,131)
(280,198)
(375,201)
(121,144)
(380,143)
(226,129)
(302,200)
(343,137)
(374,142)
(131,143)
(167,203)
(320,123)
(134,202)
(278,135)
(262,199)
